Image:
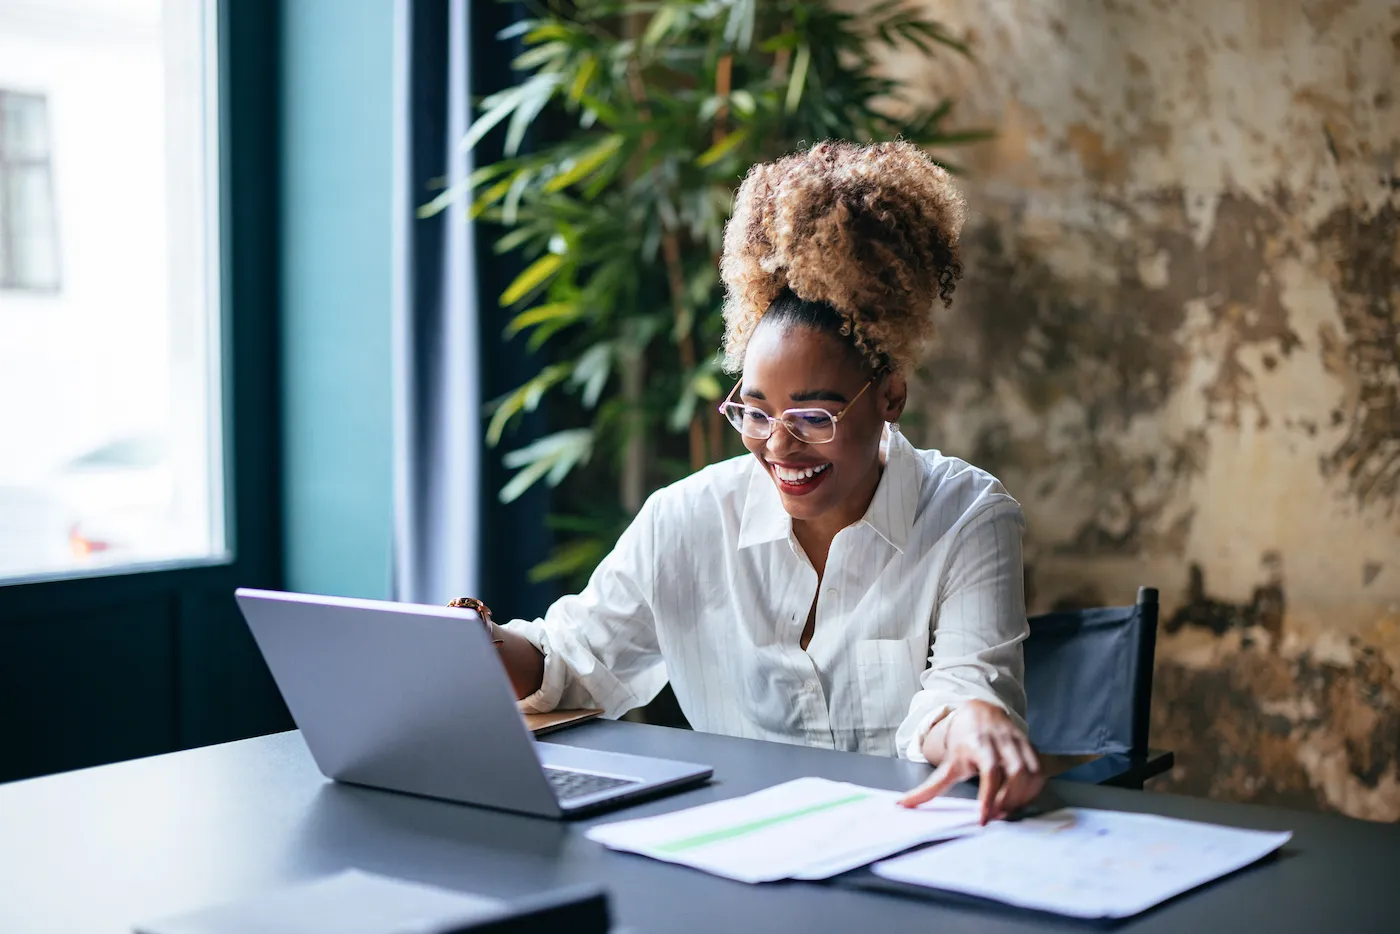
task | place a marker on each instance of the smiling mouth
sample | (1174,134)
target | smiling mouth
(797,481)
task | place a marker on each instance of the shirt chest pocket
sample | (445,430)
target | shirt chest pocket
(887,672)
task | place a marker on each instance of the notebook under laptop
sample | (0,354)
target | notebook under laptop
(413,698)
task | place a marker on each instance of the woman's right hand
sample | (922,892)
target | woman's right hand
(980,740)
(523,662)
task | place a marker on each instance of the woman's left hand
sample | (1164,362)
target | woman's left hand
(980,739)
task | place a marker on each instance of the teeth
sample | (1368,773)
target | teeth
(797,476)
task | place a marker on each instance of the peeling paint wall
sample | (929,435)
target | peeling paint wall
(1178,343)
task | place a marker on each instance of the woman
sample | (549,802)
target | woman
(839,588)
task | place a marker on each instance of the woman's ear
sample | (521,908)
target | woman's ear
(894,393)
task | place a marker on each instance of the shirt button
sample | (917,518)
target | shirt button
(831,592)
(811,686)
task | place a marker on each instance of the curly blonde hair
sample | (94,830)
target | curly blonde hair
(872,231)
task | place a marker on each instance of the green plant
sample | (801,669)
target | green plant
(657,110)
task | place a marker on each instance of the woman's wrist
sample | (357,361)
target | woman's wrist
(935,744)
(494,632)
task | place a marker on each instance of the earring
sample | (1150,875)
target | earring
(894,428)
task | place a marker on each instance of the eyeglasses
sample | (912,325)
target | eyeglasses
(810,426)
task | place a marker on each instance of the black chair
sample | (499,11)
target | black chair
(1089,690)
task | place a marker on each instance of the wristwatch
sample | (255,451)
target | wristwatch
(482,610)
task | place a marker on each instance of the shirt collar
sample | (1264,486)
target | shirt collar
(764,519)
(891,512)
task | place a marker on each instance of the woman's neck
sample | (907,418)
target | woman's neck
(816,535)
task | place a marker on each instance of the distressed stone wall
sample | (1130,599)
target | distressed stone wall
(1178,343)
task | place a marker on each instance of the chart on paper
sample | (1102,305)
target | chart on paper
(1089,864)
(810,828)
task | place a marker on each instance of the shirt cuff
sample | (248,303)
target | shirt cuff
(555,677)
(914,748)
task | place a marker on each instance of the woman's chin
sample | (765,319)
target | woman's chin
(805,507)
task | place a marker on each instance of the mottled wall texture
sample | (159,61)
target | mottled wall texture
(1178,343)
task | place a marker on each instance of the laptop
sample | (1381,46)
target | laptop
(413,698)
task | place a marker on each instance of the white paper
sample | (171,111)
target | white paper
(810,828)
(1085,863)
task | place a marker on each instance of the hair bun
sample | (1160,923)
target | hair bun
(870,230)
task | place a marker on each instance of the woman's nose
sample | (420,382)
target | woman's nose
(781,442)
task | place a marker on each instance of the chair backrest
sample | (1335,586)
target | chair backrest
(1089,678)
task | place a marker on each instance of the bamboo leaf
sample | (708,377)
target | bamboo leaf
(546,32)
(531,278)
(707,386)
(523,481)
(545,331)
(498,107)
(456,191)
(535,93)
(721,149)
(586,69)
(783,40)
(524,398)
(591,371)
(550,459)
(738,28)
(710,108)
(586,163)
(660,24)
(605,111)
(490,196)
(683,411)
(510,208)
(517,237)
(800,62)
(539,55)
(517,29)
(530,317)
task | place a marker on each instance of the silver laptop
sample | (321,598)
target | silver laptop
(413,698)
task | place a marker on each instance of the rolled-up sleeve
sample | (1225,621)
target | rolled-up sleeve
(600,646)
(978,625)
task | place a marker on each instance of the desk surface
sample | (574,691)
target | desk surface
(105,848)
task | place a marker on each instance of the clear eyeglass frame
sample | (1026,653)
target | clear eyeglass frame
(808,425)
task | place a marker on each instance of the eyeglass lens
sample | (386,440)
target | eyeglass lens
(813,426)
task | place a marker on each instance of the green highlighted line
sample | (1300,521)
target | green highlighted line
(729,833)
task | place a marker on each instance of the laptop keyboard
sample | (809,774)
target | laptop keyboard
(568,785)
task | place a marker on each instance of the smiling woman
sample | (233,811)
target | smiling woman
(839,587)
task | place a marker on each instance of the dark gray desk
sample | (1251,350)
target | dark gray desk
(100,849)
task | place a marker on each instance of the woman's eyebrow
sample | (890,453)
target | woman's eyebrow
(752,393)
(818,395)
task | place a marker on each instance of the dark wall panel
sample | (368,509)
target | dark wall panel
(88,689)
(225,689)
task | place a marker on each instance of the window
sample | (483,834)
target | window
(110,380)
(28,244)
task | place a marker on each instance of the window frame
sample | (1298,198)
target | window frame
(216,685)
(9,281)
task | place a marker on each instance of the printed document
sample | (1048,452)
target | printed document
(810,828)
(1085,863)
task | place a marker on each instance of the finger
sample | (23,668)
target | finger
(946,776)
(1014,767)
(989,768)
(1035,776)
(1029,754)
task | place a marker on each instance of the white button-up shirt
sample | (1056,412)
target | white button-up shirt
(921,608)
